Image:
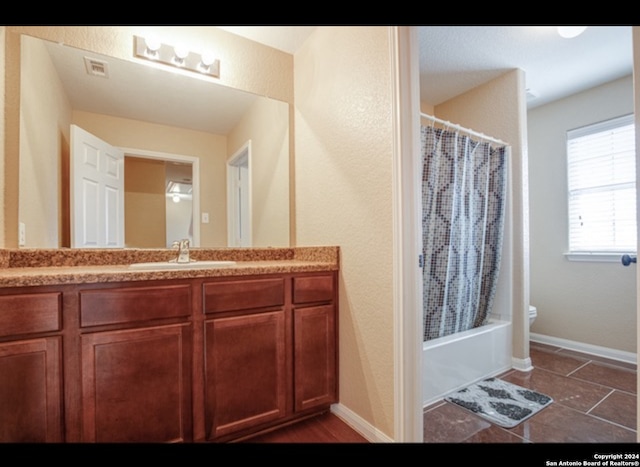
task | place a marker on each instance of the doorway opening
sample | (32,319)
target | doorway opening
(239,197)
(176,199)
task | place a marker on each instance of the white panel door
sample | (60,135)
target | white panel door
(97,192)
(239,198)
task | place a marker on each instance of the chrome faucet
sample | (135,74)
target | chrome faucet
(183,250)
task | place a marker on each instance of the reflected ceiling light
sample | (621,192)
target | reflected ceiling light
(176,198)
(178,56)
(570,31)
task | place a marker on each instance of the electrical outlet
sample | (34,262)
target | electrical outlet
(205,217)
(22,234)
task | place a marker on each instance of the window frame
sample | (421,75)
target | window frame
(595,255)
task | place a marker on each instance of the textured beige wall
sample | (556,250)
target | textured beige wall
(2,138)
(498,109)
(266,124)
(344,155)
(244,64)
(44,141)
(144,203)
(586,302)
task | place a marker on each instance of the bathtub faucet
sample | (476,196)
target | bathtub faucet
(183,250)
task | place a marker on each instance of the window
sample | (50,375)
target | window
(602,187)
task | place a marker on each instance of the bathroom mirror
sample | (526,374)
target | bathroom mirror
(156,113)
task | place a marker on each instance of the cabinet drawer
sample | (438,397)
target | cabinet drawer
(313,289)
(30,313)
(111,306)
(243,295)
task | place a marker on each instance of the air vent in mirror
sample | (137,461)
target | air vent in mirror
(96,67)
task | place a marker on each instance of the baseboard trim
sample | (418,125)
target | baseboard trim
(620,355)
(521,364)
(356,422)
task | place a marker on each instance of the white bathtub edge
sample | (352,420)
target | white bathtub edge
(453,362)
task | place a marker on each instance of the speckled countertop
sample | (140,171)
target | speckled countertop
(35,267)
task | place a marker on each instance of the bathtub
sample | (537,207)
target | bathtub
(452,362)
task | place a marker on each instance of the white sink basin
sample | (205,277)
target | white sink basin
(174,265)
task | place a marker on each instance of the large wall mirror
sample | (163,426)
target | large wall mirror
(178,131)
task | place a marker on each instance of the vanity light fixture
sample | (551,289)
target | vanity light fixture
(176,56)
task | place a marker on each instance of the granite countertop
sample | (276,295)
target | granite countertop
(37,267)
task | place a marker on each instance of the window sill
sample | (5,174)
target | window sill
(597,257)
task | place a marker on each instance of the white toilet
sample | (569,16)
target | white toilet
(533,313)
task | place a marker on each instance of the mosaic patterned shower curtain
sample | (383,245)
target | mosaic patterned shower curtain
(463,210)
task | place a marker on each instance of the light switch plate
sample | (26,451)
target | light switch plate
(22,234)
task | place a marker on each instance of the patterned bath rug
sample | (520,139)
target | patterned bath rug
(500,402)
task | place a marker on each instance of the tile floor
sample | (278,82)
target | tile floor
(594,402)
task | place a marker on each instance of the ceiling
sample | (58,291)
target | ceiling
(148,93)
(455,59)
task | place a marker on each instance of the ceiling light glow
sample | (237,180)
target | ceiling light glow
(570,31)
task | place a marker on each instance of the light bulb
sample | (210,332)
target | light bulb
(153,45)
(180,54)
(176,198)
(207,59)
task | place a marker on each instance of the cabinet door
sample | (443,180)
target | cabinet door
(245,372)
(136,385)
(314,356)
(30,391)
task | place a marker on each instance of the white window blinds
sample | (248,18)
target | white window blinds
(602,187)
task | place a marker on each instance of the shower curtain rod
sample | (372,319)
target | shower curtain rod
(463,129)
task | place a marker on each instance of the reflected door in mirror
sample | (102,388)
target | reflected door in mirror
(97,192)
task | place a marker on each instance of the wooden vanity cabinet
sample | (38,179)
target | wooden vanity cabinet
(172,360)
(245,344)
(136,353)
(31,367)
(270,351)
(315,354)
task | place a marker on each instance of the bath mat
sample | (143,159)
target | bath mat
(500,402)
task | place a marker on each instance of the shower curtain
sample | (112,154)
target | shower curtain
(463,210)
